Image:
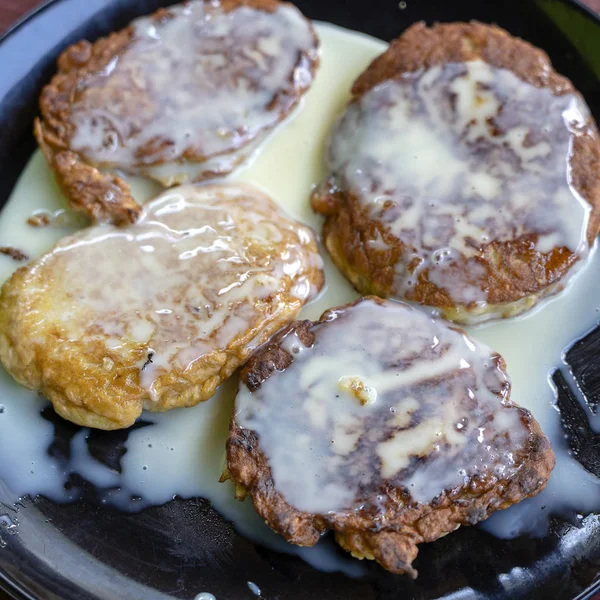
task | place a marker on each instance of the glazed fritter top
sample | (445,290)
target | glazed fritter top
(183,94)
(158,314)
(465,172)
(378,420)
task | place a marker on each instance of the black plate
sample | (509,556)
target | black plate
(84,551)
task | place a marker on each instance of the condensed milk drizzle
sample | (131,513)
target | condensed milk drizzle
(195,274)
(455,157)
(385,395)
(200,84)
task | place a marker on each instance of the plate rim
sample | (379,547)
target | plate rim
(16,589)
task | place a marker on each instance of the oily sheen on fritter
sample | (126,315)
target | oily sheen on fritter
(156,315)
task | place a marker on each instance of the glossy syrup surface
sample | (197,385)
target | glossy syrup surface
(200,272)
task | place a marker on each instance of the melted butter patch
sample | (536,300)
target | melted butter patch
(436,391)
(456,157)
(202,84)
(202,269)
(357,388)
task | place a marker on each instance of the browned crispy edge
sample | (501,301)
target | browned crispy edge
(14,253)
(516,268)
(100,196)
(393,545)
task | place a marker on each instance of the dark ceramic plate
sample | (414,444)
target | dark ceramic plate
(84,551)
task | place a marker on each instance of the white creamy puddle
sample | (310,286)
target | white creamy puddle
(184,451)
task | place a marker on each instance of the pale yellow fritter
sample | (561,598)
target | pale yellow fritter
(157,315)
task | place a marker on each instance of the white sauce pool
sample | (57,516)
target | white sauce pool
(183,453)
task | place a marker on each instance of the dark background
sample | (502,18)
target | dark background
(11,10)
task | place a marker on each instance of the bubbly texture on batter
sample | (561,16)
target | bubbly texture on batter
(457,162)
(200,82)
(160,313)
(385,396)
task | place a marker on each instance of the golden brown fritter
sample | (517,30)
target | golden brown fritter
(99,196)
(156,315)
(395,437)
(168,99)
(503,271)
